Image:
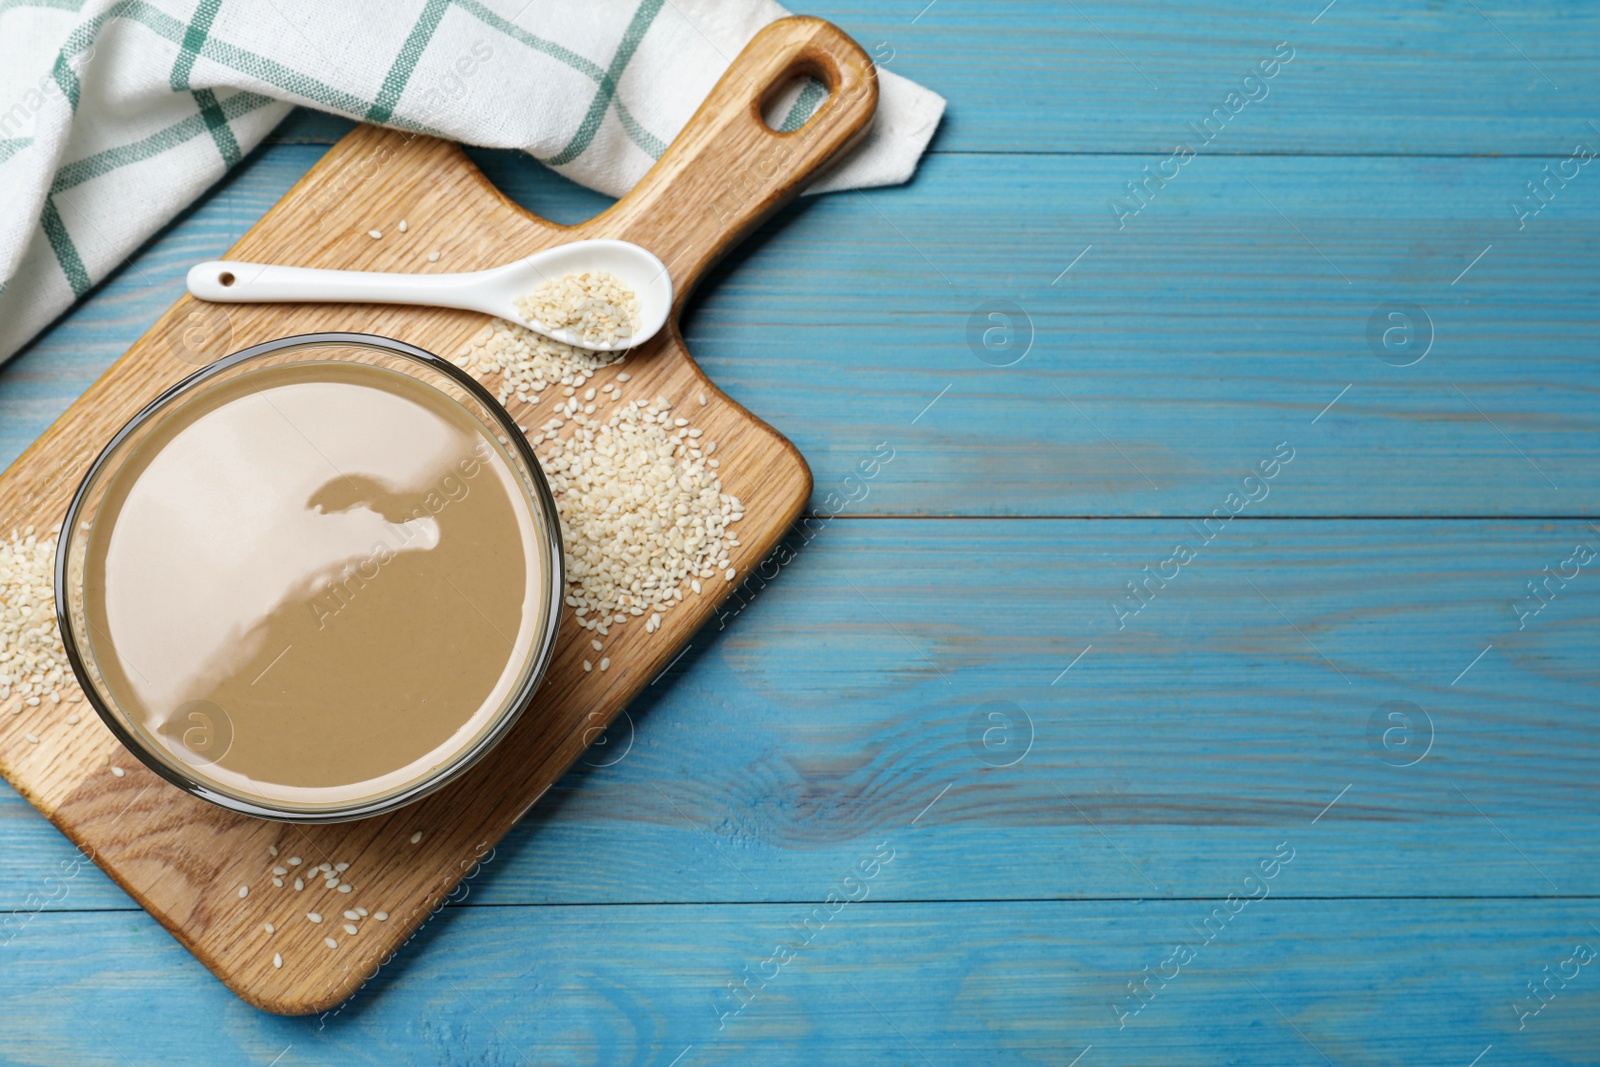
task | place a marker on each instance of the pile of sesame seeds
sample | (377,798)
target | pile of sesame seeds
(594,304)
(33,663)
(643,516)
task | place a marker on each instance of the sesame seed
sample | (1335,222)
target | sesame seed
(703,400)
(624,376)
(350,928)
(269,928)
(341,867)
(118,771)
(313,916)
(587,666)
(605,664)
(694,583)
(280,870)
(375,234)
(416,837)
(72,720)
(403,226)
(361,912)
(597,306)
(32,739)
(277,959)
(433,257)
(294,861)
(244,891)
(730,573)
(272,850)
(330,942)
(278,882)
(597,645)
(381,916)
(298,885)
(345,888)
(352,915)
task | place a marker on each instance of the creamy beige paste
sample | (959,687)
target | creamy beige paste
(316,583)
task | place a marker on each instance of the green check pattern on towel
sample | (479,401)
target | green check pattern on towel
(115,114)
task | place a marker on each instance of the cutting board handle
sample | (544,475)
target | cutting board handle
(728,170)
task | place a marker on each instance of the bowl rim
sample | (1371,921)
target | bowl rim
(518,703)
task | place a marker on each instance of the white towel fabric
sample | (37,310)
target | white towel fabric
(115,114)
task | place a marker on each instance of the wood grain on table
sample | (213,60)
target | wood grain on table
(821,720)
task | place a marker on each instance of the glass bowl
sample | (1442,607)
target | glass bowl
(167,717)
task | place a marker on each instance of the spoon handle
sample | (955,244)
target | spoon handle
(230,282)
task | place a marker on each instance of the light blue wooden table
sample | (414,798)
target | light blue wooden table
(1324,791)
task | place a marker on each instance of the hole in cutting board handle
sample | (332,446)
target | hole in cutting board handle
(796,97)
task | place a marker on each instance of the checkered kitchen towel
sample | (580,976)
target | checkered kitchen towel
(115,114)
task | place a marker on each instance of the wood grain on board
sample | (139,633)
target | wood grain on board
(183,859)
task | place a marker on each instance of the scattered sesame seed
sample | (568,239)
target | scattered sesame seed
(272,850)
(694,583)
(72,720)
(298,885)
(277,959)
(605,664)
(346,887)
(330,942)
(294,861)
(118,771)
(313,916)
(361,912)
(350,928)
(403,226)
(624,376)
(703,400)
(381,916)
(587,666)
(433,257)
(32,739)
(280,870)
(269,928)
(352,915)
(341,867)
(278,882)
(416,837)
(597,645)
(375,234)
(244,891)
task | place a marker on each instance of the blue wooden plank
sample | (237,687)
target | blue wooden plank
(1250,692)
(1281,983)
(1217,323)
(1130,75)
(1409,79)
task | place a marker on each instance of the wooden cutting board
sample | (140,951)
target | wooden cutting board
(184,860)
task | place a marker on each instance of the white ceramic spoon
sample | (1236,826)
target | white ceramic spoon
(489,291)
